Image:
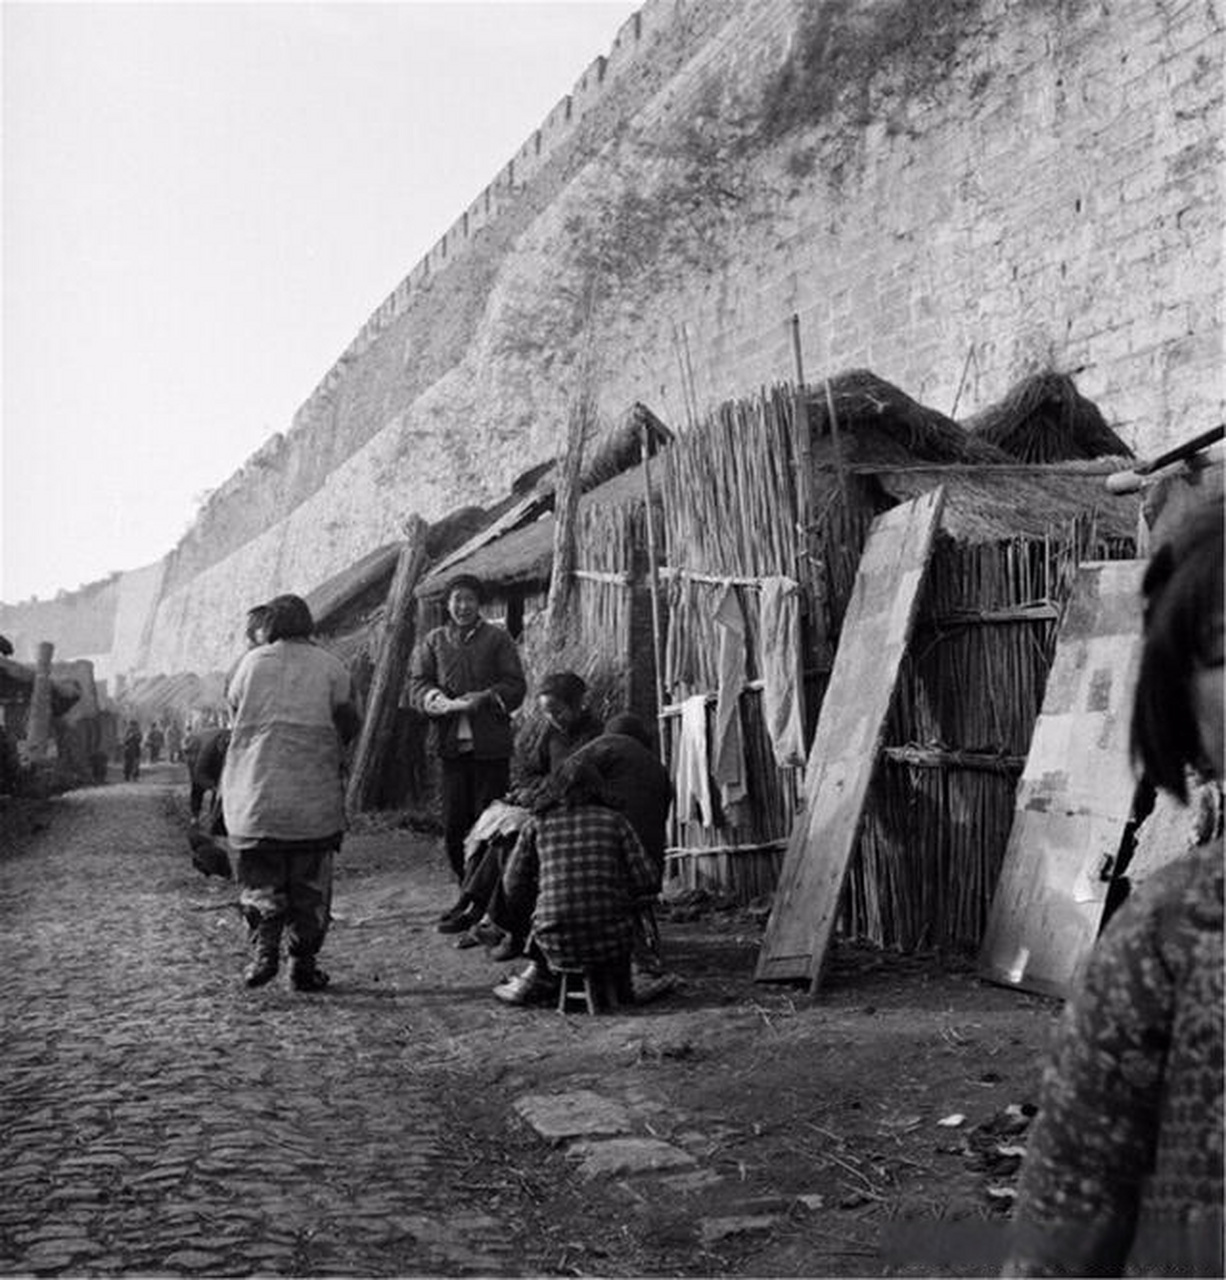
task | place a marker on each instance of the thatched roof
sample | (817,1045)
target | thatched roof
(1044,418)
(992,504)
(524,556)
(186,691)
(333,596)
(878,423)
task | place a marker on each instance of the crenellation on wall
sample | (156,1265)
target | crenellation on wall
(1051,197)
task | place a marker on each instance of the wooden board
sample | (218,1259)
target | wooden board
(876,630)
(1076,792)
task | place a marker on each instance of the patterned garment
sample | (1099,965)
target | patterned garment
(585,868)
(1125,1160)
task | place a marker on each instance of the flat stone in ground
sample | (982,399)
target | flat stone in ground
(558,1117)
(628,1155)
(713,1230)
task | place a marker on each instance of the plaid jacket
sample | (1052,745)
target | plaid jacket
(585,868)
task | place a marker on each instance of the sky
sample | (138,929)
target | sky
(200,206)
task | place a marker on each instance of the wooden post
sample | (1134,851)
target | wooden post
(565,515)
(653,578)
(391,662)
(38,727)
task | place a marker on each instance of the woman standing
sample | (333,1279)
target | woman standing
(1124,1165)
(283,793)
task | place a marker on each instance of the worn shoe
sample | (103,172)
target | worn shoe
(262,970)
(306,975)
(487,933)
(509,948)
(467,939)
(458,924)
(529,987)
(461,908)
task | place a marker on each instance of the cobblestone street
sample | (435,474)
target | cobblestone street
(160,1118)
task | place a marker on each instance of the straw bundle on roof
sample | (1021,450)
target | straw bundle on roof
(878,423)
(1044,418)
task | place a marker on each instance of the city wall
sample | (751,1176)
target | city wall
(952,195)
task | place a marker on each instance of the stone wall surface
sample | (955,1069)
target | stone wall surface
(953,195)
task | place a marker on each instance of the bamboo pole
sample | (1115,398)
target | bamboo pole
(653,580)
(395,646)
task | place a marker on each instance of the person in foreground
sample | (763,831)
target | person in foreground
(1123,1171)
(283,793)
(584,870)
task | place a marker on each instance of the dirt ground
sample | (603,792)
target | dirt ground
(815,1125)
(819,1118)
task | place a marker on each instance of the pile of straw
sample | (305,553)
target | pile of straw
(879,423)
(1044,418)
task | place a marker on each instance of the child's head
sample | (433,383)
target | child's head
(1177,718)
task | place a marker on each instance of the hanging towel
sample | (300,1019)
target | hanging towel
(728,752)
(693,786)
(779,662)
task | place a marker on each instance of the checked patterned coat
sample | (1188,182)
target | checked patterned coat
(586,869)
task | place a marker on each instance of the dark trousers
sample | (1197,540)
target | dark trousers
(482,887)
(278,888)
(468,786)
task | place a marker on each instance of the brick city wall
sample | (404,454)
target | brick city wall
(952,195)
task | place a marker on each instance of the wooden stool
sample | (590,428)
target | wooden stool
(600,988)
(578,985)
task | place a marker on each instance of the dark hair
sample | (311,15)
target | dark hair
(289,618)
(565,686)
(631,726)
(1182,589)
(578,783)
(257,618)
(469,580)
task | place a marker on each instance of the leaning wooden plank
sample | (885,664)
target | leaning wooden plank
(391,664)
(876,629)
(1075,793)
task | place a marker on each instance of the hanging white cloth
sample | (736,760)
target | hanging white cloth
(779,663)
(728,751)
(692,780)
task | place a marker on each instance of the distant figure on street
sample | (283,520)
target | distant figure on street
(153,742)
(282,790)
(1123,1172)
(466,675)
(133,741)
(174,741)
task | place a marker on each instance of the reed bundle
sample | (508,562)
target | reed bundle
(1043,418)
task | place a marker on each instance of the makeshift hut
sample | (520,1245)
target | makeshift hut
(766,512)
(940,806)
(611,616)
